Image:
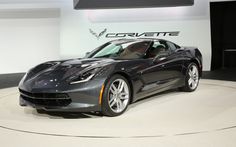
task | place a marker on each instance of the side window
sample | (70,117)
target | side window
(165,44)
(173,46)
(156,49)
(177,47)
(135,50)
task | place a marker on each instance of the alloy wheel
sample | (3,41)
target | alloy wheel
(193,77)
(118,95)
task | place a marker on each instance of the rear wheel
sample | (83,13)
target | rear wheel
(192,78)
(116,96)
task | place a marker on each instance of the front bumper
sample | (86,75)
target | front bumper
(72,107)
(82,97)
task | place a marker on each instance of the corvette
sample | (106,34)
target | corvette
(112,76)
(145,34)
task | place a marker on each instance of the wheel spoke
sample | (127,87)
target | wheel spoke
(120,86)
(194,70)
(112,103)
(123,96)
(193,82)
(190,81)
(113,89)
(117,105)
(121,105)
(112,99)
(190,73)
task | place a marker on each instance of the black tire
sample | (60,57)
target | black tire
(106,107)
(188,87)
(40,111)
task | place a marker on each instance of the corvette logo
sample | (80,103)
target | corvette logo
(98,36)
(133,34)
(144,34)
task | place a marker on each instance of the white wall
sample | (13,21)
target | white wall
(25,43)
(192,22)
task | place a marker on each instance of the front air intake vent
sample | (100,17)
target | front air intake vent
(45,95)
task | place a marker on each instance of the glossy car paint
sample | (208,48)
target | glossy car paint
(146,77)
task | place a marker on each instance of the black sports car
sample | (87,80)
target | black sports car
(111,77)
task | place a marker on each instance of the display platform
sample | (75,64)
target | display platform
(206,117)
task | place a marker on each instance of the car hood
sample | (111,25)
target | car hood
(56,73)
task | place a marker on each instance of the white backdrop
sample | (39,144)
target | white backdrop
(192,22)
(25,43)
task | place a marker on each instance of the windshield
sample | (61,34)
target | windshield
(121,50)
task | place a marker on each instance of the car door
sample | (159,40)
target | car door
(165,67)
(175,62)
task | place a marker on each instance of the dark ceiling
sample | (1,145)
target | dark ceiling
(119,4)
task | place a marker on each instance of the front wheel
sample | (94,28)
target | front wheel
(192,78)
(116,96)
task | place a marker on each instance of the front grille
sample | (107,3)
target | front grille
(47,102)
(46,99)
(45,95)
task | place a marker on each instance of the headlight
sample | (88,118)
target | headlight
(85,76)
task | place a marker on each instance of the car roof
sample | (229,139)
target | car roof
(124,40)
